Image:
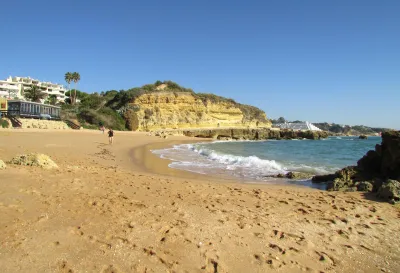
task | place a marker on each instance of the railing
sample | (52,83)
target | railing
(72,124)
(16,123)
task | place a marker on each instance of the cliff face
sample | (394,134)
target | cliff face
(173,110)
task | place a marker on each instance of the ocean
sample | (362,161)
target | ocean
(254,161)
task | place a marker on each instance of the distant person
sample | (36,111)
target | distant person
(102,129)
(110,136)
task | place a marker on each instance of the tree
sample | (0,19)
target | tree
(79,94)
(34,93)
(52,100)
(76,77)
(68,79)
(281,120)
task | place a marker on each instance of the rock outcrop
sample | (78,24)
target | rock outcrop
(378,170)
(245,134)
(2,165)
(39,160)
(293,175)
(178,110)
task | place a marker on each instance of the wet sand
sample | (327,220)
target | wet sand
(120,208)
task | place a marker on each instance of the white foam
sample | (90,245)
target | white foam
(200,159)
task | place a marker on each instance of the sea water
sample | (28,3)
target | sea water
(258,160)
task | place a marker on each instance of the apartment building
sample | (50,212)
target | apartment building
(14,87)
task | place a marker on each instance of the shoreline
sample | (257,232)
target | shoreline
(104,210)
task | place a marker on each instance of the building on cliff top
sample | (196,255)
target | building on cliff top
(303,126)
(13,88)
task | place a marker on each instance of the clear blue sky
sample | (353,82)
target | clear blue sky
(335,61)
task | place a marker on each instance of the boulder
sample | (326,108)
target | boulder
(2,165)
(343,179)
(365,186)
(292,175)
(348,174)
(370,164)
(390,155)
(339,185)
(39,160)
(363,137)
(390,190)
(298,175)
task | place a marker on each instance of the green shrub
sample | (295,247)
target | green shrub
(4,123)
(106,116)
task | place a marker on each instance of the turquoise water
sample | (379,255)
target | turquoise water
(255,160)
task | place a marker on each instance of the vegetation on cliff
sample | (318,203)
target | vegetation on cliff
(350,130)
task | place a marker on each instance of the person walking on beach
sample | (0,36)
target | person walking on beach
(102,129)
(110,136)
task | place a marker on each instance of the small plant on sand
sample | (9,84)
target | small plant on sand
(4,123)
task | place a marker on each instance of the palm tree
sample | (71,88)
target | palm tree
(68,79)
(34,93)
(76,77)
(52,99)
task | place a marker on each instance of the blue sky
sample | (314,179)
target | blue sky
(335,61)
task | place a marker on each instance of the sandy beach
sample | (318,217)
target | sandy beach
(120,208)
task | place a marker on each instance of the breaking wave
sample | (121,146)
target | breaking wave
(201,158)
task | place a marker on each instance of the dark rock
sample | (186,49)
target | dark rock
(298,175)
(351,189)
(363,137)
(365,186)
(377,184)
(323,178)
(339,185)
(253,134)
(390,190)
(341,180)
(390,159)
(292,175)
(376,166)
(370,164)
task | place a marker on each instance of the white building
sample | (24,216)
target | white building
(14,87)
(303,126)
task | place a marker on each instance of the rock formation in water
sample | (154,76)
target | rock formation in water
(378,171)
(245,134)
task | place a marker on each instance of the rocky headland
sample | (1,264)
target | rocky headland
(244,134)
(378,171)
(179,110)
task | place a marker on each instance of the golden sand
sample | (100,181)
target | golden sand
(121,209)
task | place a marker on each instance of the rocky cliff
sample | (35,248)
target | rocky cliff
(377,171)
(174,110)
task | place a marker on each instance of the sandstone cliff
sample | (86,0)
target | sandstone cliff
(174,110)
